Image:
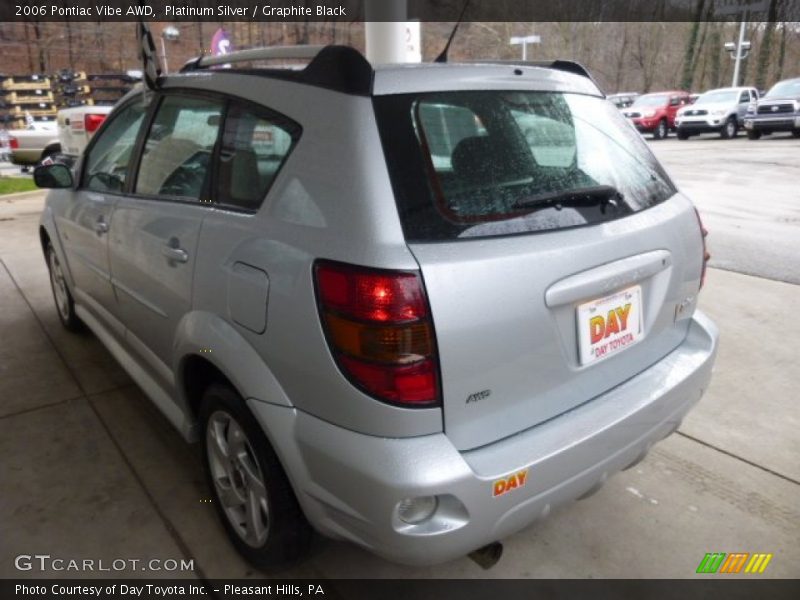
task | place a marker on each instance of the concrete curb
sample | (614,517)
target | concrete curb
(21,195)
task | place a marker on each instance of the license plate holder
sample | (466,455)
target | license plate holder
(609,325)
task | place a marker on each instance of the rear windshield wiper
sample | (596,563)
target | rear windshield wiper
(587,196)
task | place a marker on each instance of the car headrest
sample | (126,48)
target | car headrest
(480,160)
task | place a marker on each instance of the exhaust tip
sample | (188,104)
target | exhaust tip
(488,556)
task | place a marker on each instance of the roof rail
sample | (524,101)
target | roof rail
(339,68)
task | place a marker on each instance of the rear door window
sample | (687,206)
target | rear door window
(482,164)
(255,144)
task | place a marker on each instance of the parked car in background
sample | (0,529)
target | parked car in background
(317,273)
(30,146)
(77,125)
(716,111)
(623,99)
(655,113)
(778,110)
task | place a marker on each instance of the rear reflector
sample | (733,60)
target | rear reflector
(92,122)
(706,255)
(13,143)
(379,330)
(411,385)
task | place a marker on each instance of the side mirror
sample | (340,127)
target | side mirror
(52,176)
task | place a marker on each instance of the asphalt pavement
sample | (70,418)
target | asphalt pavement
(748,194)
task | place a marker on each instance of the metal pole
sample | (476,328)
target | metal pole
(739,50)
(524,51)
(164,55)
(385,31)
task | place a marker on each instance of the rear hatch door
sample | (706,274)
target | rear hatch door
(558,259)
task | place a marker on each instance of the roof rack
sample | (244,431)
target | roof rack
(269,53)
(568,66)
(339,68)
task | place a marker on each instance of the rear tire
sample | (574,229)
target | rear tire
(65,305)
(730,129)
(251,491)
(682,135)
(796,133)
(661,131)
(753,135)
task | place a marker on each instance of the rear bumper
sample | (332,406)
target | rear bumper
(350,484)
(26,158)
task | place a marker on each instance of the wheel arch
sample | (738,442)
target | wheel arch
(44,239)
(209,350)
(48,234)
(50,149)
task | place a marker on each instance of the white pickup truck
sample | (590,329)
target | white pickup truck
(77,125)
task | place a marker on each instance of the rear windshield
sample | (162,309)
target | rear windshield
(483,164)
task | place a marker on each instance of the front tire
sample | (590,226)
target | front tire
(796,133)
(65,305)
(661,130)
(753,135)
(682,135)
(730,129)
(252,493)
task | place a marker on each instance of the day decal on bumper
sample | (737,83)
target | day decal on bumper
(512,482)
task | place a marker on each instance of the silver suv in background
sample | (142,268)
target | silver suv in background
(716,111)
(414,307)
(778,110)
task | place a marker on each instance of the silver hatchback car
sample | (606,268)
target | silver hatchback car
(413,307)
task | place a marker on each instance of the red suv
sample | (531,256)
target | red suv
(655,113)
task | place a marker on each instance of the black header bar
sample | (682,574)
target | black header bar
(400,10)
(393,589)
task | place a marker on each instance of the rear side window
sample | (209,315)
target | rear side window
(254,146)
(110,156)
(482,164)
(177,153)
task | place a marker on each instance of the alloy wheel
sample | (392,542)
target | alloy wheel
(59,286)
(238,478)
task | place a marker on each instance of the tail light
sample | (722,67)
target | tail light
(13,143)
(706,255)
(91,122)
(379,329)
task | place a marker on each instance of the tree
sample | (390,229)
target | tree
(689,60)
(646,53)
(781,53)
(764,51)
(715,41)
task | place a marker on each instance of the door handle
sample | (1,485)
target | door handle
(174,253)
(100,226)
